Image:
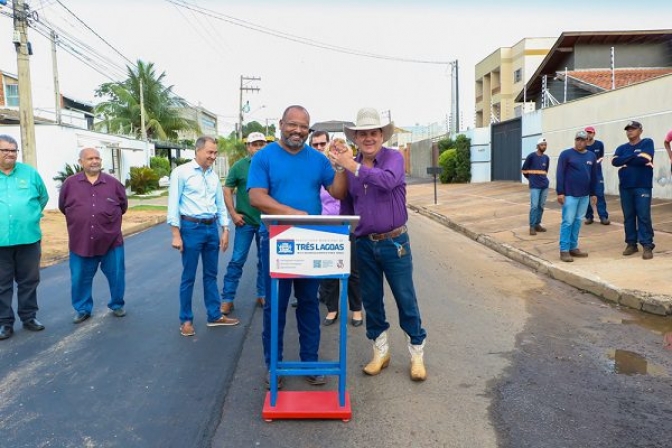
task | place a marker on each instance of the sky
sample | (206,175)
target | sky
(204,57)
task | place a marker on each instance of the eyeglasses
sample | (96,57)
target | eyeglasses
(319,144)
(9,151)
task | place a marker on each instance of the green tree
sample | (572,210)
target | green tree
(120,112)
(455,159)
(232,147)
(255,126)
(66,172)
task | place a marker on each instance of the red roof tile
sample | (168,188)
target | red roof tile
(624,76)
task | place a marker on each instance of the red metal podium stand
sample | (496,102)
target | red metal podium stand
(308,247)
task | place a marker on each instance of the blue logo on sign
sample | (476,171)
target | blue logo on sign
(285,247)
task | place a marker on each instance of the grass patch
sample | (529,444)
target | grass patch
(149,208)
(152,195)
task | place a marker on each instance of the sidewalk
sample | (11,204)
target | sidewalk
(496,214)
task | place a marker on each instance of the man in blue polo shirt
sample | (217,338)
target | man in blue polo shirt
(634,161)
(597,147)
(535,169)
(285,179)
(576,180)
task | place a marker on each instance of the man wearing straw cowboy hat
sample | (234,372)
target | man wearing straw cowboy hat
(377,193)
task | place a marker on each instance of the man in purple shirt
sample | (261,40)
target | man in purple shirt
(377,193)
(93,203)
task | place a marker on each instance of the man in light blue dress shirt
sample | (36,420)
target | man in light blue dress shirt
(195,210)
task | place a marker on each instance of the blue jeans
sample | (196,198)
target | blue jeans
(573,211)
(241,248)
(636,204)
(378,258)
(82,271)
(307,311)
(199,240)
(537,201)
(601,204)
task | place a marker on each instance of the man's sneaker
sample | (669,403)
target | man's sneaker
(648,253)
(565,256)
(577,253)
(316,380)
(533,231)
(630,249)
(226,308)
(80,317)
(119,312)
(588,221)
(605,221)
(539,228)
(223,321)
(187,329)
(268,381)
(295,303)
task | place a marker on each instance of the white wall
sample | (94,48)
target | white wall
(649,102)
(481,154)
(58,145)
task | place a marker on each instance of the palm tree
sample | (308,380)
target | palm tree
(121,111)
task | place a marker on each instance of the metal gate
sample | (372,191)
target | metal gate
(506,150)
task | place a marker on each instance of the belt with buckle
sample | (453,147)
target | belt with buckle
(391,234)
(207,221)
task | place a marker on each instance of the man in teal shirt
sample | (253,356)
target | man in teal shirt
(23,196)
(247,220)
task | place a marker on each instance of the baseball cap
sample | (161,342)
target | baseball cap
(633,124)
(541,140)
(590,129)
(581,135)
(256,137)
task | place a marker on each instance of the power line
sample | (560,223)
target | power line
(298,39)
(96,34)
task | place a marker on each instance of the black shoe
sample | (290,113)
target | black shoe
(80,317)
(6,331)
(316,380)
(605,221)
(356,322)
(268,381)
(588,221)
(326,322)
(33,325)
(295,303)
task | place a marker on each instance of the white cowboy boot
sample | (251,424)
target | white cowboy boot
(381,355)
(418,372)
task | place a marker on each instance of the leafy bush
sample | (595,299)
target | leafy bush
(160,165)
(455,159)
(181,161)
(143,179)
(67,171)
(448,163)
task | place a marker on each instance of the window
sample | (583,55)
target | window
(518,75)
(12,95)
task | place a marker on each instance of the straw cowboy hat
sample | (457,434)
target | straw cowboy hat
(369,118)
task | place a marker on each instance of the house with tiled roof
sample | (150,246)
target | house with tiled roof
(584,63)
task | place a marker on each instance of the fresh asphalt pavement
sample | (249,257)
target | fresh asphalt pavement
(125,382)
(514,359)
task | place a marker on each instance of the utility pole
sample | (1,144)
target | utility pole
(244,88)
(26,118)
(455,97)
(57,89)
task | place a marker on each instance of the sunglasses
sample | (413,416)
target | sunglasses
(319,144)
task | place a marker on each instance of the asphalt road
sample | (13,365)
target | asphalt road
(118,382)
(514,360)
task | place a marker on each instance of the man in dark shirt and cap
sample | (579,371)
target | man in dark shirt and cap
(93,203)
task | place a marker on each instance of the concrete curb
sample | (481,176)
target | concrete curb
(639,300)
(131,230)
